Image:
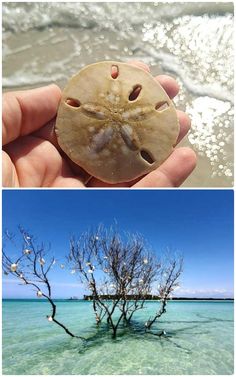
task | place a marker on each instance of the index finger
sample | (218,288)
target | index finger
(28,110)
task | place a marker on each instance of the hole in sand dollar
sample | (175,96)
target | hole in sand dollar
(72,102)
(147,156)
(135,92)
(160,106)
(114,71)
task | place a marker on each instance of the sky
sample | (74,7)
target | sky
(198,223)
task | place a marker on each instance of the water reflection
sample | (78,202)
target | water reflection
(211,134)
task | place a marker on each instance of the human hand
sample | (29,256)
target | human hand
(33,158)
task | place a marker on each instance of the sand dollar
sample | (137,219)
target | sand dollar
(116,121)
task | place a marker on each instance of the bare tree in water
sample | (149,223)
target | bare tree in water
(32,267)
(120,273)
(118,269)
(171,269)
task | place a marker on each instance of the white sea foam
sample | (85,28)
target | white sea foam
(173,64)
(22,17)
(22,78)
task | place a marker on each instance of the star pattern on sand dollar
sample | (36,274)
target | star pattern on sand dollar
(120,118)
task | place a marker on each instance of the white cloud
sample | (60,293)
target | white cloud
(179,291)
(204,292)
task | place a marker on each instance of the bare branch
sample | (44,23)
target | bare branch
(170,274)
(31,268)
(118,270)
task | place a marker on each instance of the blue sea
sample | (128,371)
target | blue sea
(199,340)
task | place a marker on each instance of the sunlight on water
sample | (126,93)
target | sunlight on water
(199,340)
(45,42)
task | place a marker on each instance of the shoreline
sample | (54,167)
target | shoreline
(82,300)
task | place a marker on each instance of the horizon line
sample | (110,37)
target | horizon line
(76,299)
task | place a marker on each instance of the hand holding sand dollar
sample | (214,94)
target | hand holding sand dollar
(128,142)
(116,121)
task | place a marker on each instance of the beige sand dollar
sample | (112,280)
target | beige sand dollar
(116,121)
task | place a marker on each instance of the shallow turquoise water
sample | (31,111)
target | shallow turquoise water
(199,340)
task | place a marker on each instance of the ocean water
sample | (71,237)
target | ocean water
(193,42)
(199,340)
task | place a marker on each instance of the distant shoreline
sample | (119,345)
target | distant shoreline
(81,299)
(150,297)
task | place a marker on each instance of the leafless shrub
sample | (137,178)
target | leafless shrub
(171,270)
(32,267)
(118,269)
(120,272)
